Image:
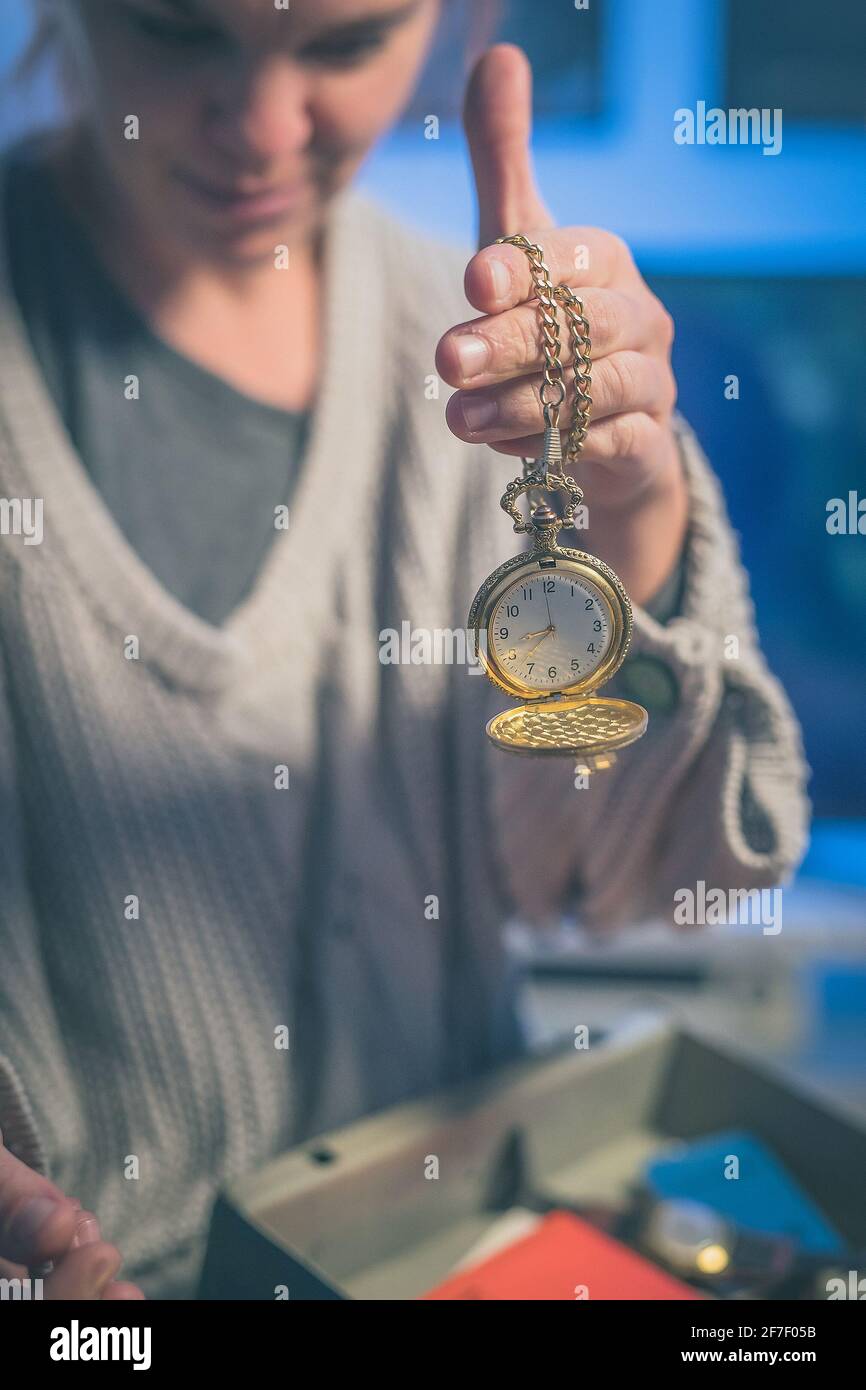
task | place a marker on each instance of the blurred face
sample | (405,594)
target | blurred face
(251,115)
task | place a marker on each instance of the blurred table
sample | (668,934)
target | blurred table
(798,998)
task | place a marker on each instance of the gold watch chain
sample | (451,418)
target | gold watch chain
(552,391)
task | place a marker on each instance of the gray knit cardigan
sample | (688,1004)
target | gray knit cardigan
(252,879)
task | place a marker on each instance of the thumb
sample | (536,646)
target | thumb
(497,118)
(36,1220)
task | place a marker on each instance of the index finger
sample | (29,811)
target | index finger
(498,277)
(37,1222)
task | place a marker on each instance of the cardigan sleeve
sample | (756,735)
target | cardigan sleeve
(33,1059)
(715,791)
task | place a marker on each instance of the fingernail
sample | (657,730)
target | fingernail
(479,412)
(500,274)
(87,1232)
(473,352)
(32,1217)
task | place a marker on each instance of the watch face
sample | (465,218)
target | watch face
(550,629)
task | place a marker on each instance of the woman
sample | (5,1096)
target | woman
(253,878)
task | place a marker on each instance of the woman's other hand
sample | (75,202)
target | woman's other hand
(38,1223)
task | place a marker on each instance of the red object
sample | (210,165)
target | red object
(564,1258)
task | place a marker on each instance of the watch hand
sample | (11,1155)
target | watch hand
(547,633)
(547,601)
(541,631)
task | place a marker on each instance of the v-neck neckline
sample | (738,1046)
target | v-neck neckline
(189,650)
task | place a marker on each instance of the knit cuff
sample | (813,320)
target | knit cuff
(683,625)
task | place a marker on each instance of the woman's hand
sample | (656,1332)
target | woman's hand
(630,467)
(38,1223)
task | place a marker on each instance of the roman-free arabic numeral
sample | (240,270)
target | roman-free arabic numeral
(551,671)
(587,607)
(596,627)
(549,586)
(512,610)
(503,633)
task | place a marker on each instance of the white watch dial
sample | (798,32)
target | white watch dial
(550,629)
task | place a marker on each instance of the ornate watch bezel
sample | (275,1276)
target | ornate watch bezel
(587,567)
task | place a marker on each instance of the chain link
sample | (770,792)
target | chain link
(581,347)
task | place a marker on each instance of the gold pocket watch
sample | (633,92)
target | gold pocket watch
(551,625)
